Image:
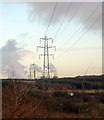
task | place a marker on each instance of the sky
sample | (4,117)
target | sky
(78,41)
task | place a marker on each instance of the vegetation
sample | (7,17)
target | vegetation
(60,98)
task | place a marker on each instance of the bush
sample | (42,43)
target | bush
(60,94)
(6,83)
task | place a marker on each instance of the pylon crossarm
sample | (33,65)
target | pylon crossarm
(53,47)
(52,55)
(41,39)
(39,47)
(41,55)
(50,39)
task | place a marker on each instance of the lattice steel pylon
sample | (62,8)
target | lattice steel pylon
(46,45)
(32,69)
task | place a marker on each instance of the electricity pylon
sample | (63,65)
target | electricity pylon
(46,46)
(32,68)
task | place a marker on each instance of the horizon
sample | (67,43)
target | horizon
(78,42)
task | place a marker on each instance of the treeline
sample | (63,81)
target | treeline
(79,82)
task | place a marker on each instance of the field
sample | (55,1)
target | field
(51,99)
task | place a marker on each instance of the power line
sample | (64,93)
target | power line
(82,34)
(72,16)
(49,22)
(63,20)
(80,27)
(61,8)
(87,69)
(51,19)
(83,81)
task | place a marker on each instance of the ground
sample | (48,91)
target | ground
(27,100)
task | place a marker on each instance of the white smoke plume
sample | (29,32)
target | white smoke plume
(36,67)
(52,68)
(11,56)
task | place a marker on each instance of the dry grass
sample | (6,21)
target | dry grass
(23,101)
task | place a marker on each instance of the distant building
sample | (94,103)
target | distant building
(55,75)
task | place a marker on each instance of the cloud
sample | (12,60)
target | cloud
(43,12)
(22,35)
(11,56)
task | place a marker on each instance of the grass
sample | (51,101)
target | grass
(36,103)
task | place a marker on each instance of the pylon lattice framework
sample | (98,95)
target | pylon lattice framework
(46,69)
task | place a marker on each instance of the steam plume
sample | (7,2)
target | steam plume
(52,68)
(11,56)
(36,67)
